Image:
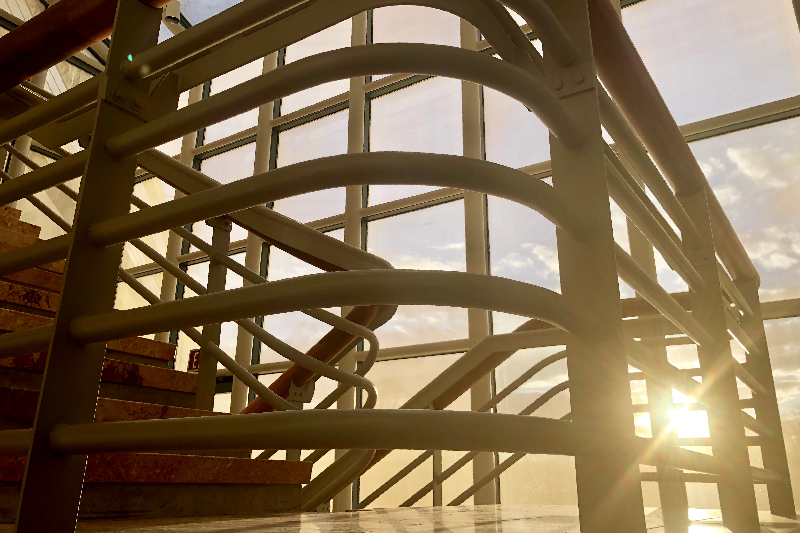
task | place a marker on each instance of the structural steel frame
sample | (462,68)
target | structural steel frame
(581,38)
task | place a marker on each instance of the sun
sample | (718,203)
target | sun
(688,423)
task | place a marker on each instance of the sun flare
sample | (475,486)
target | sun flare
(689,423)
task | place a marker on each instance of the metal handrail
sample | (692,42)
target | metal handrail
(346,63)
(337,171)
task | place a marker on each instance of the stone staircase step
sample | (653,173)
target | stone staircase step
(19,226)
(37,278)
(138,485)
(121,380)
(14,296)
(140,346)
(10,212)
(16,238)
(18,408)
(135,349)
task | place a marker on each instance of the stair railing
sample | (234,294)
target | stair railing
(346,379)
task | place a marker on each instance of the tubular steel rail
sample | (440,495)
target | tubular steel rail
(132,107)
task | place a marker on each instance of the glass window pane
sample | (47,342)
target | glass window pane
(396,382)
(425,117)
(332,38)
(241,122)
(754,175)
(710,57)
(127,298)
(415,24)
(225,168)
(522,244)
(230,330)
(231,165)
(428,239)
(515,137)
(196,11)
(321,138)
(536,479)
(296,329)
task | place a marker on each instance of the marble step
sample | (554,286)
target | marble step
(121,380)
(19,226)
(57,267)
(136,485)
(135,349)
(18,408)
(36,278)
(18,297)
(16,238)
(10,212)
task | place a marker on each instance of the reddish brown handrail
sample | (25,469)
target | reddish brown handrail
(55,34)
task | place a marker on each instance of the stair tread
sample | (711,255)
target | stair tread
(14,224)
(115,371)
(19,406)
(176,469)
(12,320)
(144,347)
(13,293)
(36,277)
(10,212)
(16,238)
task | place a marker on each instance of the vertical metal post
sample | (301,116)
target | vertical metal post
(217,275)
(52,484)
(609,489)
(174,242)
(354,199)
(253,248)
(16,167)
(773,449)
(736,493)
(476,253)
(671,487)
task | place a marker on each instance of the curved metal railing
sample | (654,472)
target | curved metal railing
(255,28)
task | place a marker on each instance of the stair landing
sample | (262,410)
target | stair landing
(478,519)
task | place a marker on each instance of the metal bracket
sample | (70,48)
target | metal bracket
(572,80)
(302,394)
(220,223)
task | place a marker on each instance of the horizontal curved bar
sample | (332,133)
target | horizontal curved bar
(35,255)
(55,108)
(323,14)
(334,289)
(26,341)
(43,178)
(384,168)
(368,429)
(355,429)
(350,62)
(299,240)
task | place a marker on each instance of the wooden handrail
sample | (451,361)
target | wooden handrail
(55,34)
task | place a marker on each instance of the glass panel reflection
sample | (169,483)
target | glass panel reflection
(425,117)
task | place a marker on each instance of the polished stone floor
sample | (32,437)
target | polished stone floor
(478,519)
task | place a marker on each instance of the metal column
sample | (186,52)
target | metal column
(773,449)
(475,233)
(736,493)
(52,484)
(217,276)
(609,490)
